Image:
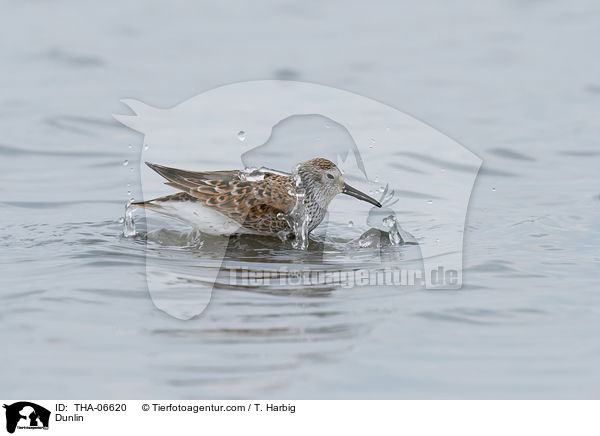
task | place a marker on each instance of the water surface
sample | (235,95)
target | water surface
(515,82)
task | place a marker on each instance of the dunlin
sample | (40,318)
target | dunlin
(259,202)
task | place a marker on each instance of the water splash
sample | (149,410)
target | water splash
(376,238)
(389,221)
(128,224)
(386,225)
(252,174)
(394,232)
(370,239)
(298,219)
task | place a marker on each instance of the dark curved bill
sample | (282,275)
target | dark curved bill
(349,190)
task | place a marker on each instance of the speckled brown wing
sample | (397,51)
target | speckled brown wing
(254,204)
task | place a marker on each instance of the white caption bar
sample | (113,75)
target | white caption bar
(152,417)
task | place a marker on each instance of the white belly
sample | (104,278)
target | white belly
(205,219)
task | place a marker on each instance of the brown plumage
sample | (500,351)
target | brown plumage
(258,205)
(253,204)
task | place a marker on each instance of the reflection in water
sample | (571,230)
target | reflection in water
(266,263)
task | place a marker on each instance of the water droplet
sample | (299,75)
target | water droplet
(129,193)
(376,180)
(350,223)
(327,125)
(125,162)
(389,221)
(146,146)
(372,144)
(381,189)
(494,189)
(241,136)
(131,147)
(429,201)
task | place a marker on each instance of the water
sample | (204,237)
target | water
(128,223)
(515,82)
(298,219)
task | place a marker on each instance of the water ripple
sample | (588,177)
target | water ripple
(510,154)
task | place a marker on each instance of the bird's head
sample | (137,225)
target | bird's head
(323,180)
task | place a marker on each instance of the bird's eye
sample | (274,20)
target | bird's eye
(330,176)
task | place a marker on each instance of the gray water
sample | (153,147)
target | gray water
(516,82)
